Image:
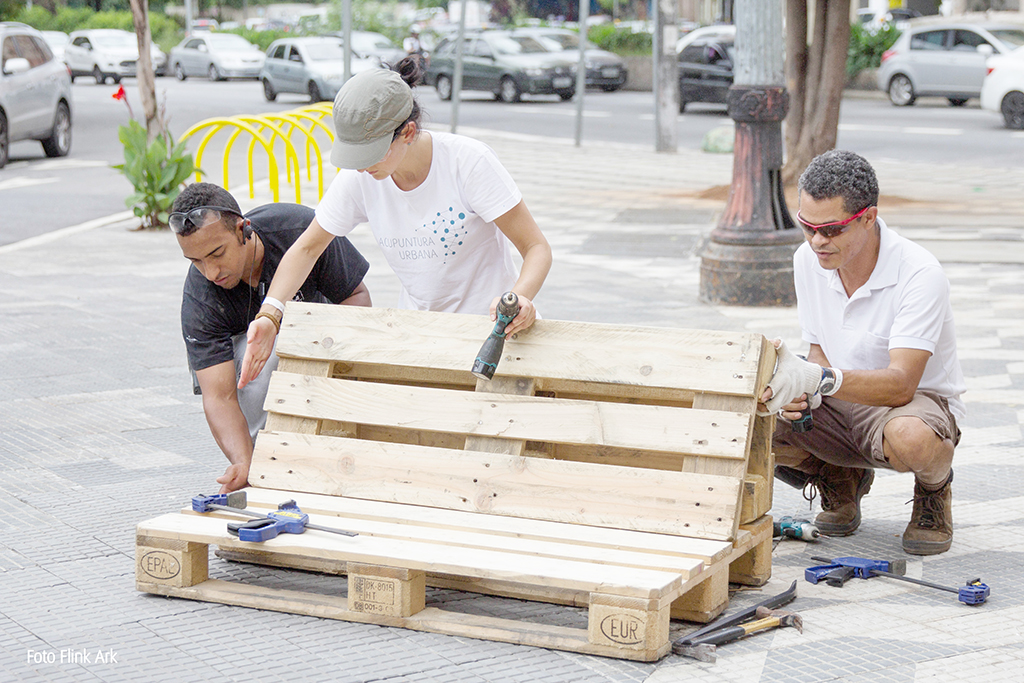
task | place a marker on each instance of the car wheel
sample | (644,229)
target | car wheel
(957,101)
(682,105)
(98,75)
(566,94)
(443,85)
(509,91)
(314,93)
(116,79)
(214,73)
(59,142)
(611,88)
(1013,110)
(5,143)
(179,72)
(901,91)
(268,91)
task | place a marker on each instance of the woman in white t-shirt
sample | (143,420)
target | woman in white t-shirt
(443,209)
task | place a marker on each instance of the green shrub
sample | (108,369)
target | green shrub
(261,38)
(866,48)
(166,31)
(156,170)
(620,41)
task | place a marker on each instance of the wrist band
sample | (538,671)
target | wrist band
(271,301)
(261,314)
(831,380)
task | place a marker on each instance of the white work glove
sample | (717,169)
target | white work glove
(793,376)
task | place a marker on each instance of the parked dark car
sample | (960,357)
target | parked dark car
(605,70)
(705,70)
(508,66)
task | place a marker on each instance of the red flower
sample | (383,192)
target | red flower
(120,94)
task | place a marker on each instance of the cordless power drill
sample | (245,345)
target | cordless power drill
(490,353)
(787,527)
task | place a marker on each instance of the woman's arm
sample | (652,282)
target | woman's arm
(293,270)
(522,230)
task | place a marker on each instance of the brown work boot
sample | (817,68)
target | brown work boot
(841,489)
(930,531)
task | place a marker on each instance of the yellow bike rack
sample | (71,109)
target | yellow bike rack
(266,130)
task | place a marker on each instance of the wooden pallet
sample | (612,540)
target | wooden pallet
(618,468)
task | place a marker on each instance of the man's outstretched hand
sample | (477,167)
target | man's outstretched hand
(793,377)
(258,346)
(235,477)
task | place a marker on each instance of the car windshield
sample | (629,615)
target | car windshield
(326,51)
(114,40)
(516,45)
(228,41)
(1009,36)
(364,43)
(565,41)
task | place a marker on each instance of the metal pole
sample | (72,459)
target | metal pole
(581,69)
(748,259)
(666,76)
(346,34)
(188,17)
(460,43)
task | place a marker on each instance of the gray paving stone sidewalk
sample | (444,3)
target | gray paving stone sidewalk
(99,430)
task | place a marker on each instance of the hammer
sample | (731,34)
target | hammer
(704,648)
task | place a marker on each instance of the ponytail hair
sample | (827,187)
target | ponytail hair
(411,68)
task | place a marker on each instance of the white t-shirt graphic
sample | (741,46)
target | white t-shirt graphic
(440,237)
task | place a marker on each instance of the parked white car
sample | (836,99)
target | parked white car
(1003,89)
(944,59)
(108,53)
(35,93)
(218,56)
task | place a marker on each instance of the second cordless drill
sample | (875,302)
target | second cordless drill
(490,353)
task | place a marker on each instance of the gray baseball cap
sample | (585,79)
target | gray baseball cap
(367,111)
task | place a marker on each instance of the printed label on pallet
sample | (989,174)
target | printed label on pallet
(622,628)
(374,595)
(160,565)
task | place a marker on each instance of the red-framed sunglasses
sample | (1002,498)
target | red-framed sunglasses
(833,229)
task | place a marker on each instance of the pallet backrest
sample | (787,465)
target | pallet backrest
(628,427)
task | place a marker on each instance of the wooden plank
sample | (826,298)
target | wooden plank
(579,493)
(602,539)
(754,567)
(430,619)
(281,422)
(630,624)
(386,590)
(407,554)
(686,567)
(697,360)
(714,434)
(757,498)
(513,386)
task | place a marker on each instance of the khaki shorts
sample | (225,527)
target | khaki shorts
(850,434)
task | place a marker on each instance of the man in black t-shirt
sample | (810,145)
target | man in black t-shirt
(234,258)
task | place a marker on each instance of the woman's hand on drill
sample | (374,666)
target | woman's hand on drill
(259,344)
(526,316)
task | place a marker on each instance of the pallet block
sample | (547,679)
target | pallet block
(618,469)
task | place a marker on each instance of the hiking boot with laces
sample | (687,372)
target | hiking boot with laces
(930,531)
(841,489)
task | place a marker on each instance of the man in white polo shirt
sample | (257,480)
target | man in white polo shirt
(882,374)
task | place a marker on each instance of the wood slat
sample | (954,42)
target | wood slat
(716,434)
(627,581)
(430,619)
(581,493)
(706,550)
(694,360)
(686,567)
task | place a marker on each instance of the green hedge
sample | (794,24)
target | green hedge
(620,41)
(167,32)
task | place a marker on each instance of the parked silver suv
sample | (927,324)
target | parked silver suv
(35,93)
(944,58)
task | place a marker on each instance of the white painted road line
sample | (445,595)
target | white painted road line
(19,182)
(906,130)
(63,232)
(587,113)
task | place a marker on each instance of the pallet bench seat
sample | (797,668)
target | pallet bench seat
(621,469)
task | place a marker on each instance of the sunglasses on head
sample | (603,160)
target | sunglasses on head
(830,230)
(199,216)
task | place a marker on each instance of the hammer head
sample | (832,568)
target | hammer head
(785,618)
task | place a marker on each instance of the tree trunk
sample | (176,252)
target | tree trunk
(815,78)
(144,69)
